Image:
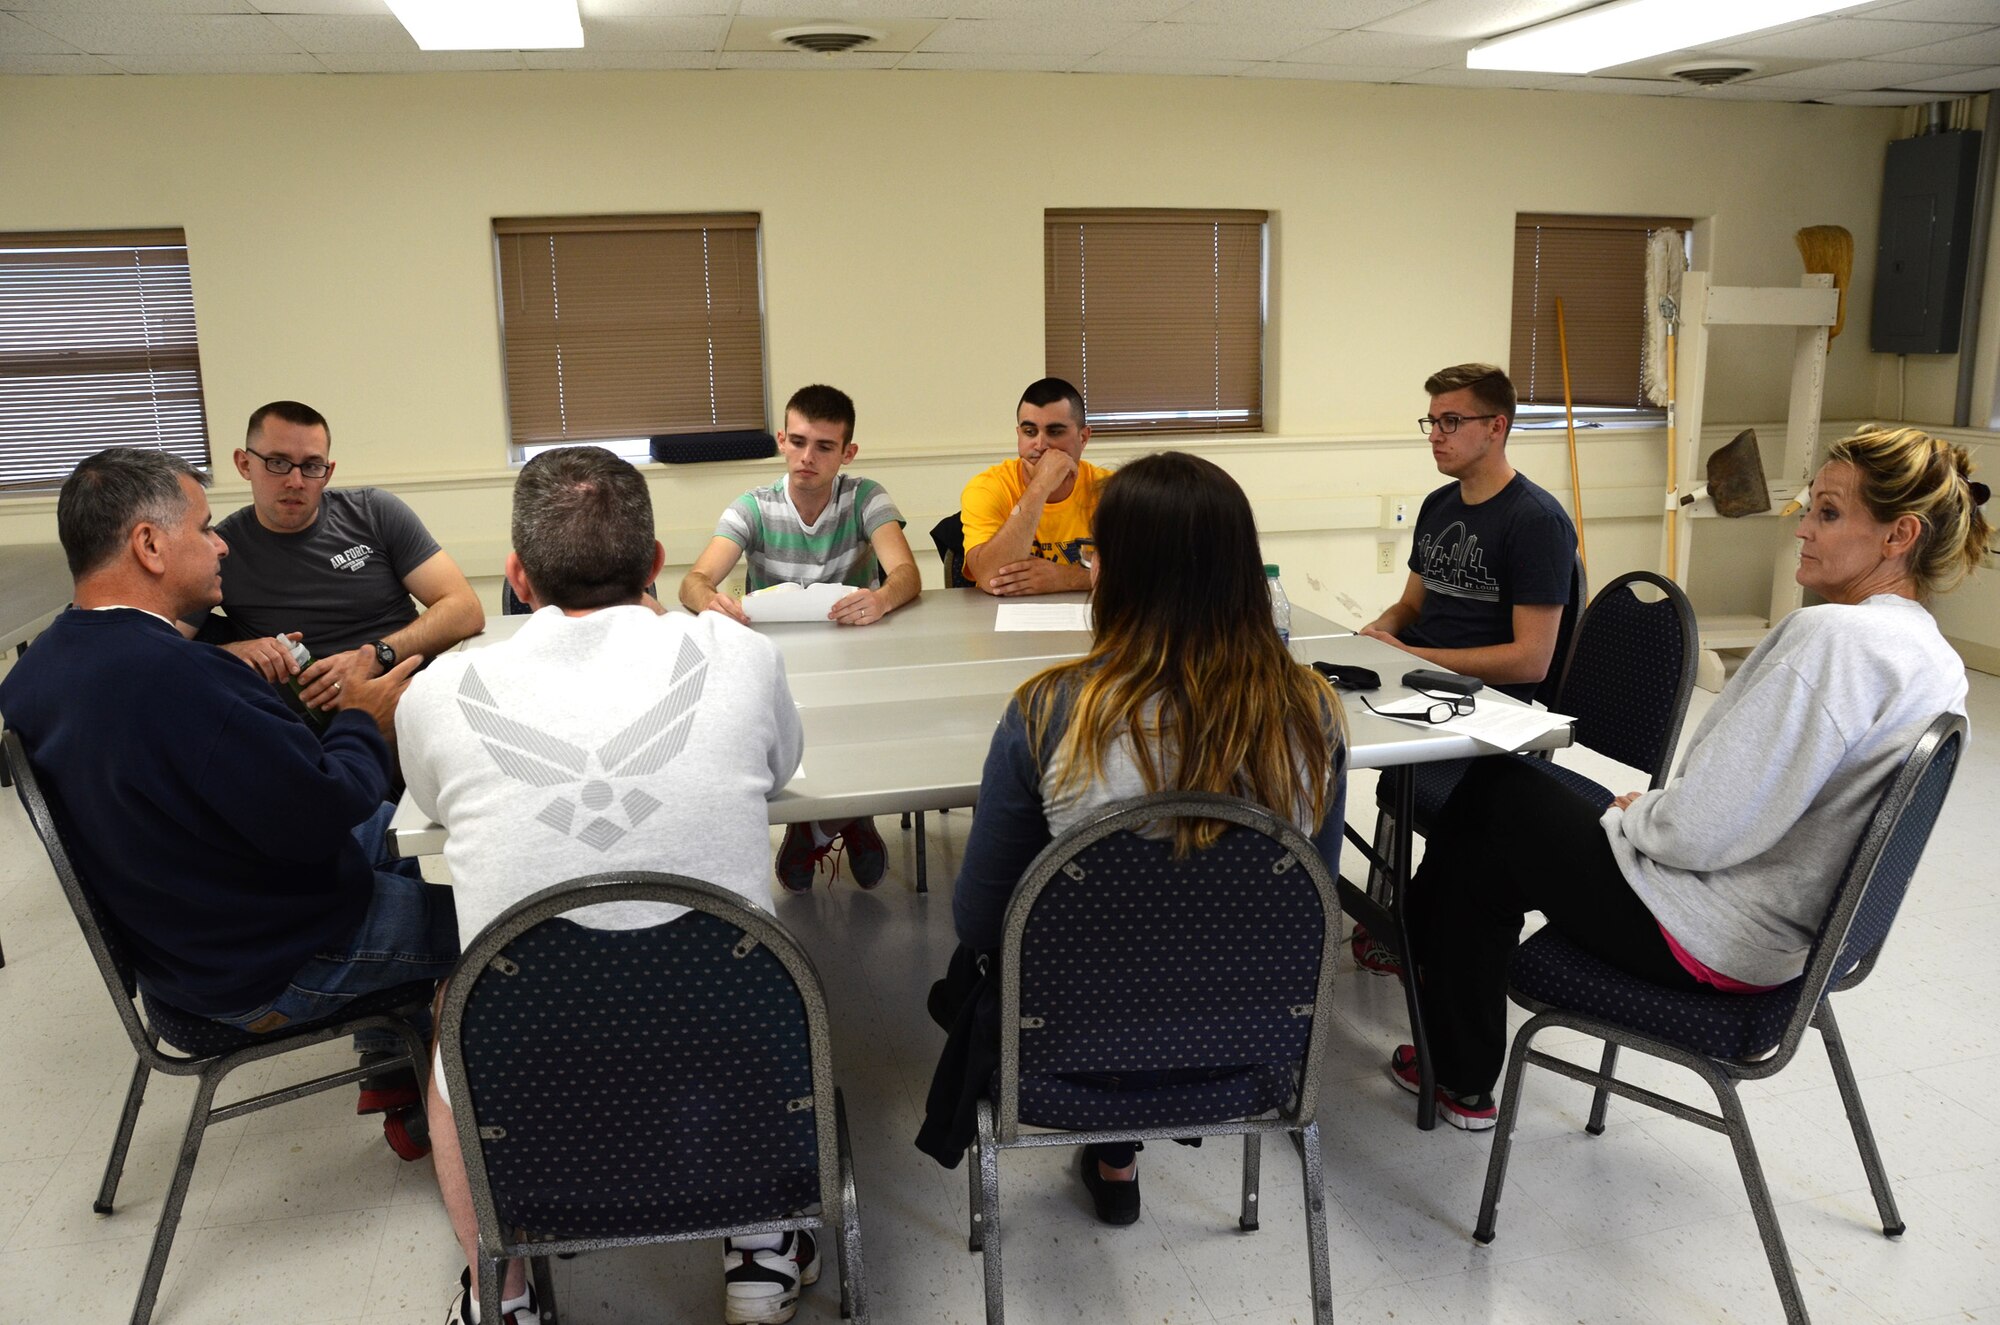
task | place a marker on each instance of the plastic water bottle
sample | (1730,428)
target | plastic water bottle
(1281,606)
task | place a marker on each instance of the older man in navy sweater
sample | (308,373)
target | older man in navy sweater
(234,849)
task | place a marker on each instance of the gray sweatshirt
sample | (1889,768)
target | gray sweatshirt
(1738,856)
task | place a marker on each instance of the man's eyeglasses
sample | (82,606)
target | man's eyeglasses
(1446,708)
(1086,553)
(278,464)
(1448,423)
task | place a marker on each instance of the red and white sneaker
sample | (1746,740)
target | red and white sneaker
(1468,1113)
(1371,956)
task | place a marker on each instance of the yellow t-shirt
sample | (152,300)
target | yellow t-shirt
(1059,536)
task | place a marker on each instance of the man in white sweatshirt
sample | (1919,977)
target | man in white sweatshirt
(601,737)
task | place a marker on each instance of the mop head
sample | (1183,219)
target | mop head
(1829,250)
(1663,282)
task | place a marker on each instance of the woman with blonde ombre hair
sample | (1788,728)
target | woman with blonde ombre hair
(1187,687)
(1720,879)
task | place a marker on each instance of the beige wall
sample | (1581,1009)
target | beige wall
(339,233)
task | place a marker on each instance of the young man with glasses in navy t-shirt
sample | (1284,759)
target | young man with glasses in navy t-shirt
(1491,565)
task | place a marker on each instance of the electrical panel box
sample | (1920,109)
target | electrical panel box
(1925,240)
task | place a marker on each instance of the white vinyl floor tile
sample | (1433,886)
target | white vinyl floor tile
(301,1214)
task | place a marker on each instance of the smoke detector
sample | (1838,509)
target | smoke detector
(826,38)
(1712,75)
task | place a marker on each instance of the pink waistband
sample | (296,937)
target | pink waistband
(1706,975)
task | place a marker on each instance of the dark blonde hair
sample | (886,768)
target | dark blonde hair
(1902,471)
(1186,663)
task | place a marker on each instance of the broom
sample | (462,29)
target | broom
(1569,418)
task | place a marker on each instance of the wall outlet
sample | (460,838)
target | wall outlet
(1385,558)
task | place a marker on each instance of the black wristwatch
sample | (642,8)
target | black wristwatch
(385,653)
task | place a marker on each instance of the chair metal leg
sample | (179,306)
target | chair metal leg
(923,864)
(975,1236)
(1316,1250)
(1602,1098)
(989,1202)
(1503,1133)
(121,1142)
(1379,884)
(906,821)
(1252,1153)
(853,1291)
(1731,1105)
(1404,788)
(491,1268)
(1857,1119)
(176,1197)
(545,1290)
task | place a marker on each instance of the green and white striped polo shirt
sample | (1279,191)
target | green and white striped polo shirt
(834,549)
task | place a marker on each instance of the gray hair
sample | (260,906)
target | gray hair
(583,528)
(111,493)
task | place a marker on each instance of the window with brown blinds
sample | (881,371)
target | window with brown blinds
(630,326)
(97,349)
(1597,266)
(1157,316)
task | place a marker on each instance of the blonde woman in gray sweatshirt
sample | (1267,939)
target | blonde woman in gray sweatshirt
(1720,879)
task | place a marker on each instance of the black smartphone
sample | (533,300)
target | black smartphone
(1450,683)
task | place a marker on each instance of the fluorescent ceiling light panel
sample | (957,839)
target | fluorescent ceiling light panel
(491,25)
(1628,30)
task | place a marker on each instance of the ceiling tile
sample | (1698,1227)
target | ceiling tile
(1842,39)
(20,37)
(1475,20)
(28,62)
(805,62)
(1368,47)
(588,59)
(1074,40)
(1065,10)
(660,8)
(420,62)
(129,6)
(1333,73)
(1937,11)
(1975,80)
(337,32)
(1634,87)
(704,33)
(160,34)
(989,61)
(867,13)
(896,34)
(1117,62)
(1981,49)
(379,8)
(1862,75)
(243,62)
(1328,14)
(1451,76)
(1208,41)
(1876,98)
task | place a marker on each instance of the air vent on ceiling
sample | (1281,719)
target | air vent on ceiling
(1711,75)
(826,38)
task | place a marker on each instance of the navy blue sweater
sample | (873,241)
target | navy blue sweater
(208,820)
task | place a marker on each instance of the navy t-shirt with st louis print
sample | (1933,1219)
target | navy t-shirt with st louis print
(340,581)
(1477,562)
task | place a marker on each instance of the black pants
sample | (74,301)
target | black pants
(1511,840)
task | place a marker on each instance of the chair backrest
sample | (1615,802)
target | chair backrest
(948,535)
(1119,957)
(639,1084)
(1877,877)
(100,933)
(1631,673)
(1559,661)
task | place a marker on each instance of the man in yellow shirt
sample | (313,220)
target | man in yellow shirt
(1027,520)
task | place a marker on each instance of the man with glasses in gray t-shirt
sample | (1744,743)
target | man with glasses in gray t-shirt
(336,568)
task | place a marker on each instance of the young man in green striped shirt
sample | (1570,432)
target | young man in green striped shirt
(814,526)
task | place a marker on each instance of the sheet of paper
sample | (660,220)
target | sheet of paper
(1501,726)
(810,603)
(1042,616)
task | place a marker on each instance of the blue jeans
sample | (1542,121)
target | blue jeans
(409,933)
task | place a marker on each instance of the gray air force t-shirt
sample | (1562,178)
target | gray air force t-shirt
(340,581)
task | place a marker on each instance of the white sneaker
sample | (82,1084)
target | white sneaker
(760,1286)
